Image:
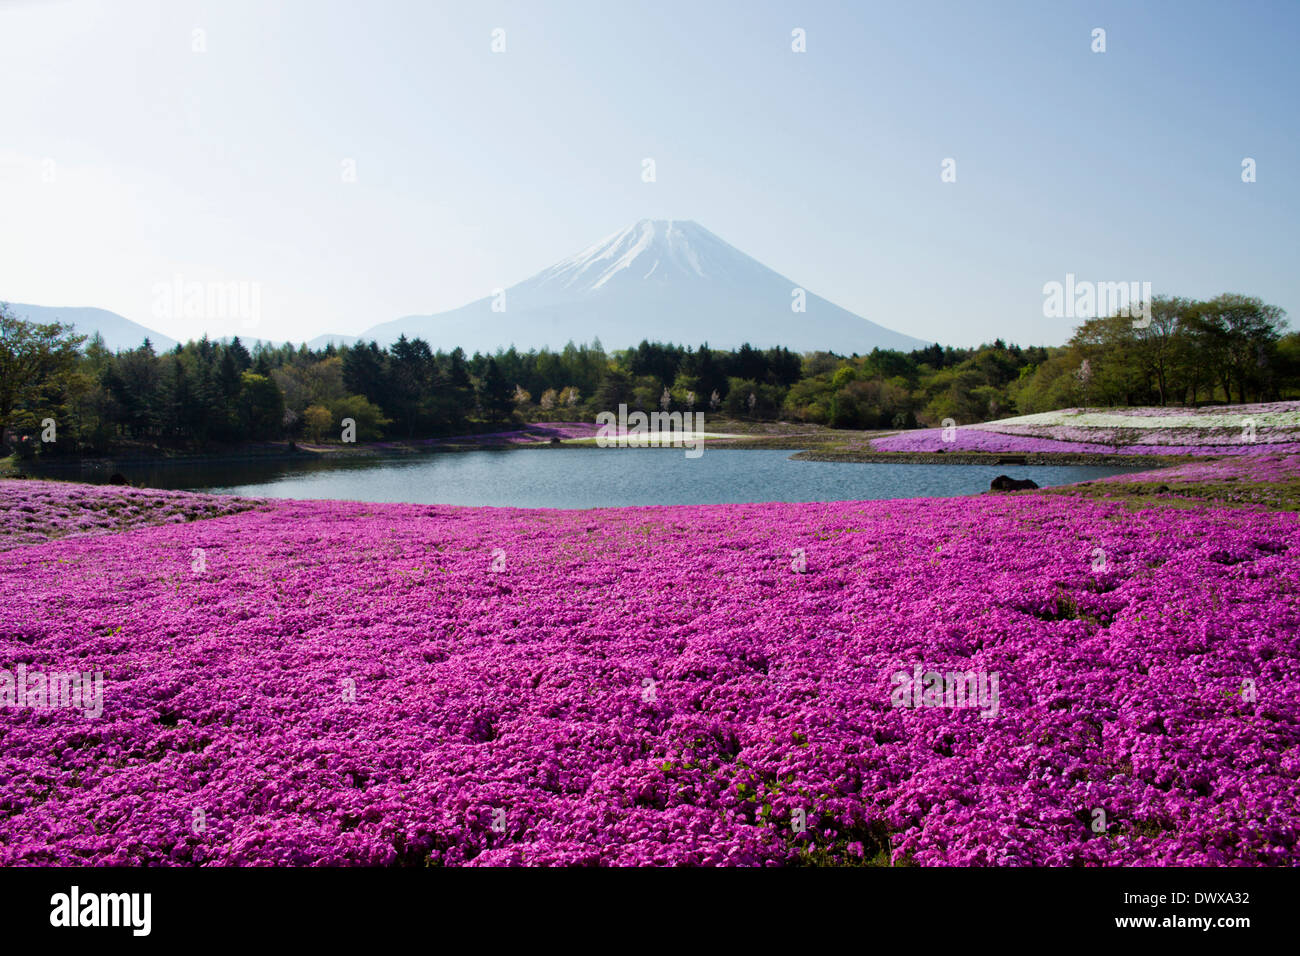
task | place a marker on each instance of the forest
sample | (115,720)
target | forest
(64,394)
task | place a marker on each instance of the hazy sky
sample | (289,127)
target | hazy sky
(128,158)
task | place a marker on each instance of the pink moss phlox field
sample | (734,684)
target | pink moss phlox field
(1261,467)
(32,511)
(658,686)
(1167,431)
(1175,411)
(535,433)
(979,438)
(971,438)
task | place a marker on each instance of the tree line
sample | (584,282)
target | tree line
(208,394)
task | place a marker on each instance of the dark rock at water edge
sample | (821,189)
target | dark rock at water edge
(1005,483)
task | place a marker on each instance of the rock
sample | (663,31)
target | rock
(1005,483)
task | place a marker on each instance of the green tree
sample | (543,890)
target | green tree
(615,389)
(32,356)
(317,419)
(368,416)
(495,393)
(261,406)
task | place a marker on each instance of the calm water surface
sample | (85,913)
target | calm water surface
(595,478)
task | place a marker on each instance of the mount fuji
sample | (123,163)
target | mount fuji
(661,279)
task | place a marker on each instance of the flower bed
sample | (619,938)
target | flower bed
(1232,430)
(973,438)
(1257,469)
(532,434)
(394,684)
(33,511)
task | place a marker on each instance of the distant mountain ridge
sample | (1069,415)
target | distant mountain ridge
(663,280)
(118,332)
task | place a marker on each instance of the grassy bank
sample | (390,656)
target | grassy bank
(1271,482)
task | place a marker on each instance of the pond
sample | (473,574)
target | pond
(590,477)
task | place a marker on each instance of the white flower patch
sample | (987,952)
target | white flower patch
(1265,423)
(1229,417)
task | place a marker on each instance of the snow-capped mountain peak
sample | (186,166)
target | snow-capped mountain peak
(654,249)
(669,280)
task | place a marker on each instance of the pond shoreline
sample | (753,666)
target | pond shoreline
(103,466)
(51,466)
(582,478)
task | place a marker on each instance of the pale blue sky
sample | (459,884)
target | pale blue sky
(476,170)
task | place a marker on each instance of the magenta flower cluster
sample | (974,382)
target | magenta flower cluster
(531,434)
(1249,471)
(1179,411)
(345,683)
(33,511)
(983,438)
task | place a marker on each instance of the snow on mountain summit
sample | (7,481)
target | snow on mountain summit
(658,249)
